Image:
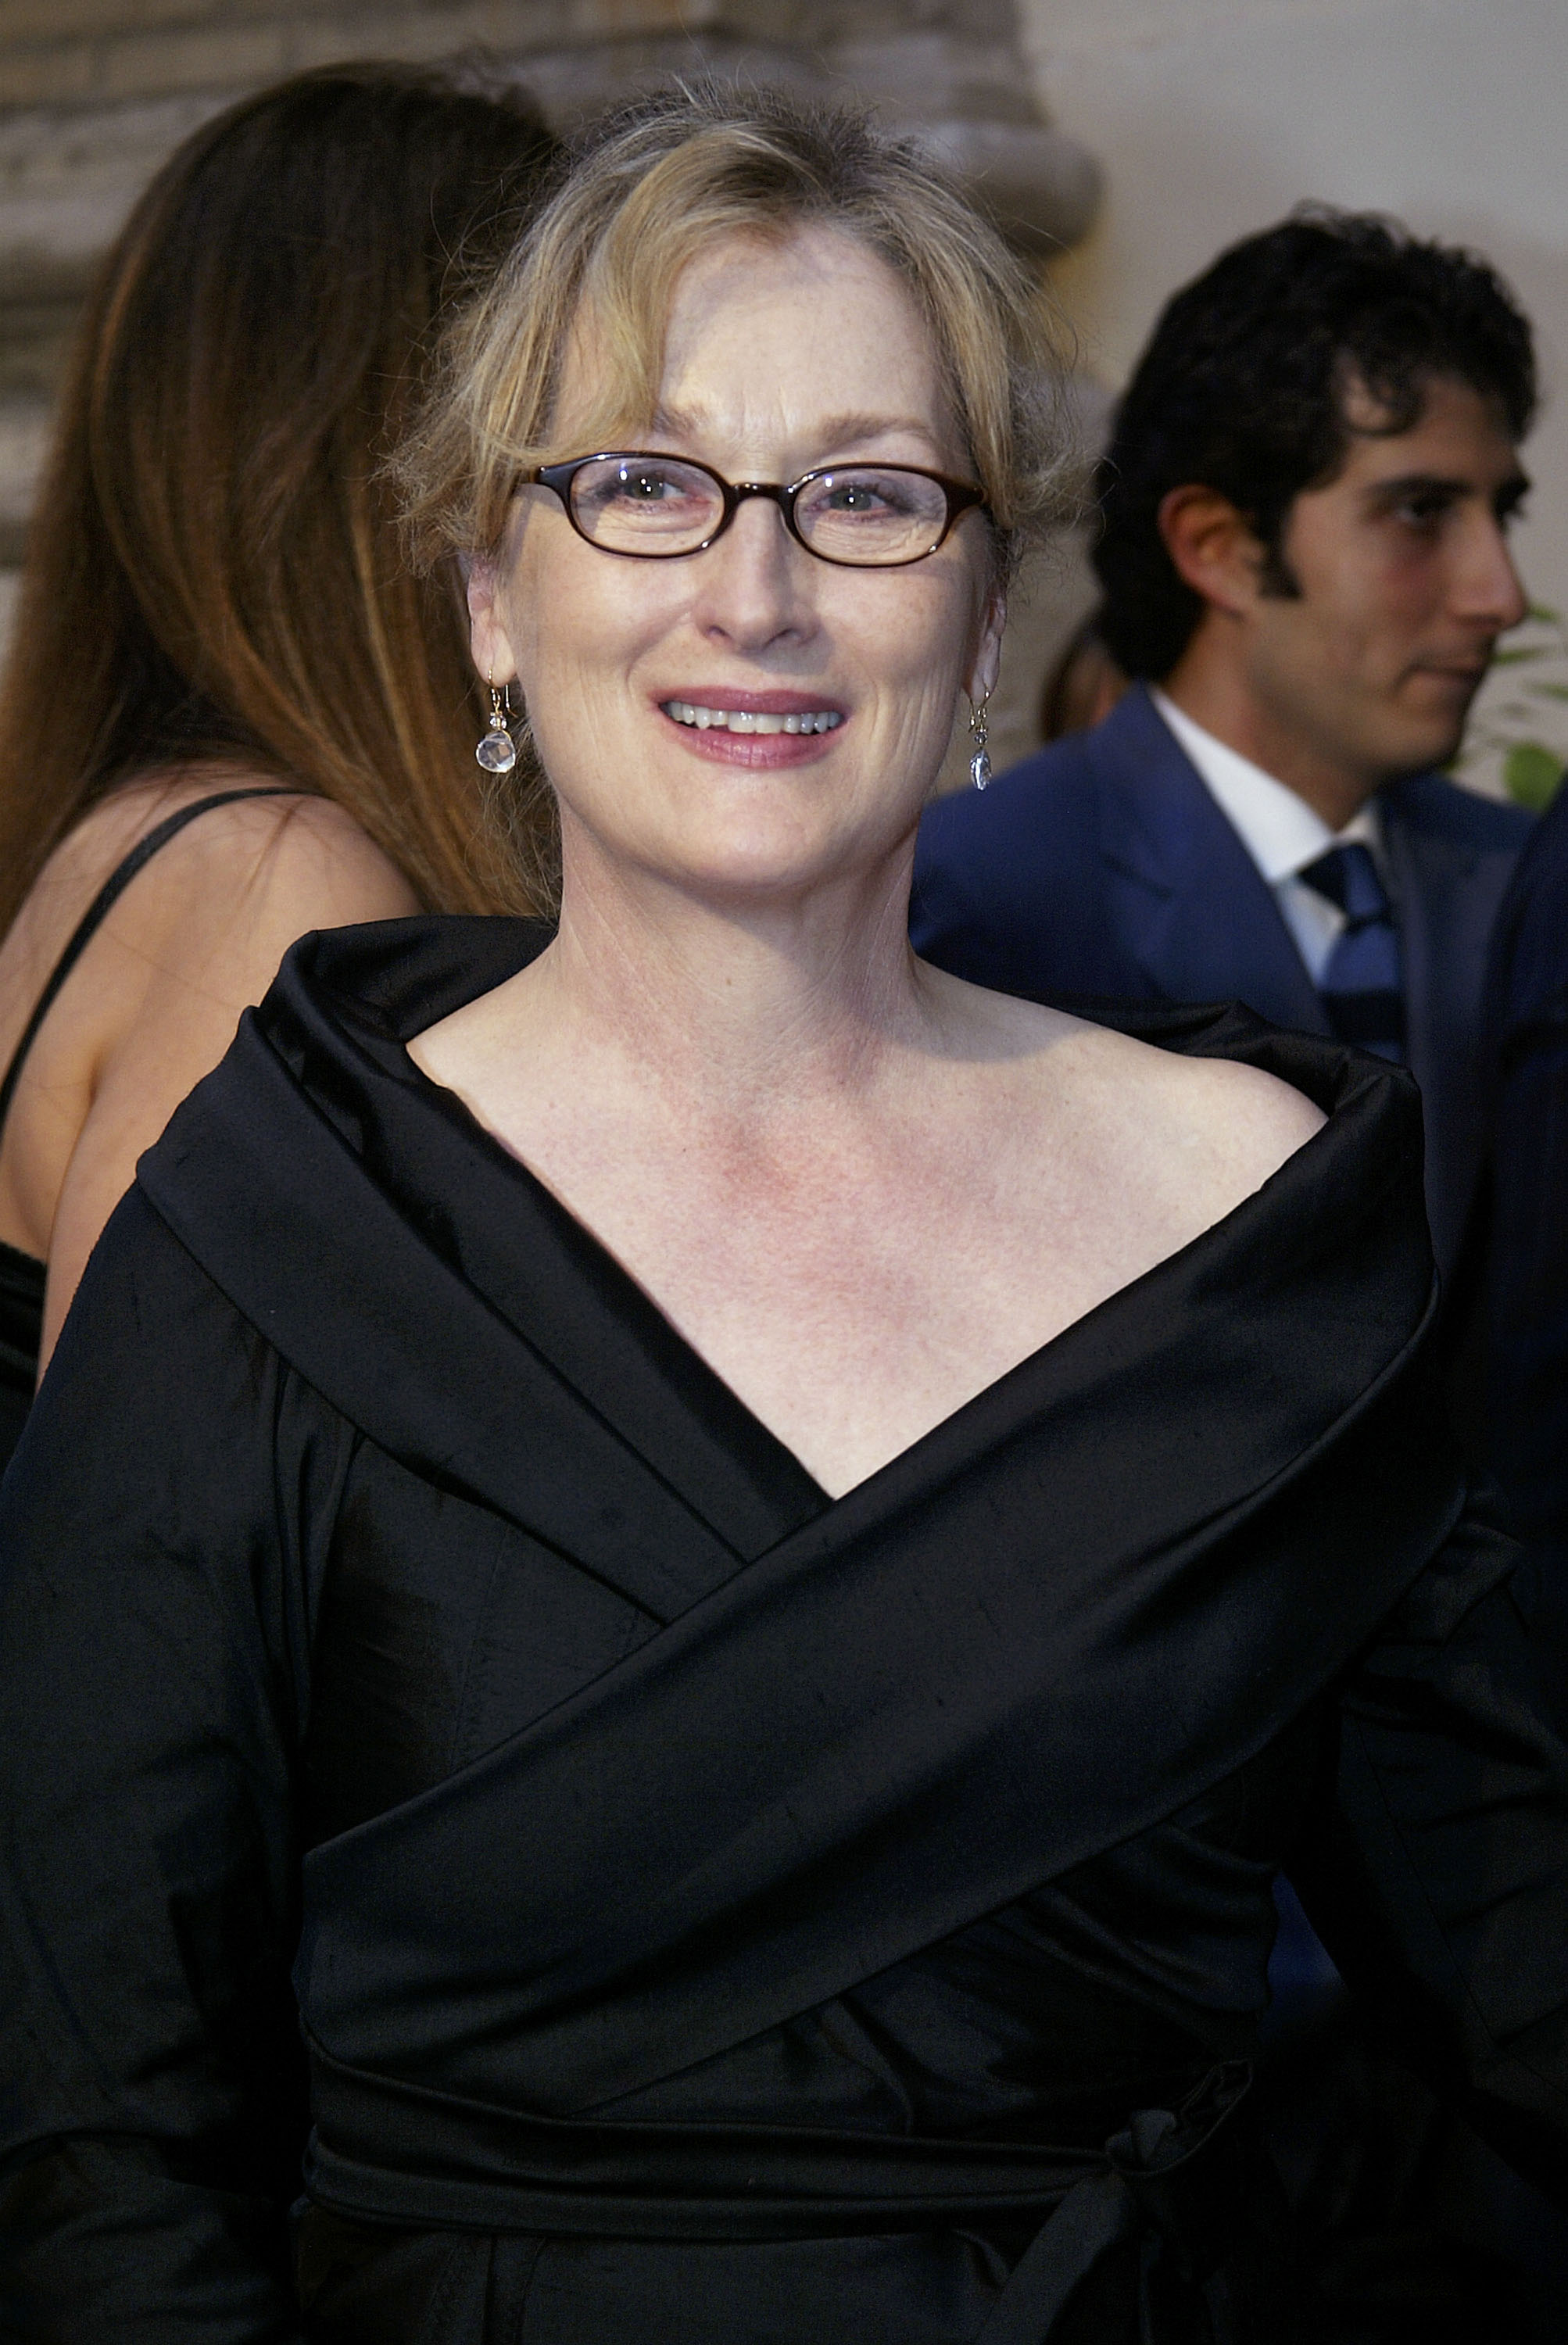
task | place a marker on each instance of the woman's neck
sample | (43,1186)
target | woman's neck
(735,1000)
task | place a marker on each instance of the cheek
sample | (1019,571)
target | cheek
(1391,615)
(912,635)
(1377,584)
(1345,628)
(578,627)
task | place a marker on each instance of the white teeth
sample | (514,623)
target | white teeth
(751,720)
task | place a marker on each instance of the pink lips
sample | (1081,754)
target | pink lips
(757,751)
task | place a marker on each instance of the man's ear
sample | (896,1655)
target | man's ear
(1212,546)
(493,654)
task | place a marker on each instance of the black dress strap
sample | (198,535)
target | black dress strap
(97,911)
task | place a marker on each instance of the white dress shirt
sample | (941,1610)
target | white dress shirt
(1278,830)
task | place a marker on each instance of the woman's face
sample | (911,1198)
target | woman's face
(781,358)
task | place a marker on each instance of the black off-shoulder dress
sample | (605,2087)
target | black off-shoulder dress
(719,1915)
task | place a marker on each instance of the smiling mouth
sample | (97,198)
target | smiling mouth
(751,720)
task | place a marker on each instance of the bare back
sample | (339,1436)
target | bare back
(152,1005)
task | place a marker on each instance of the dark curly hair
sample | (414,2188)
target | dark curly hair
(1242,388)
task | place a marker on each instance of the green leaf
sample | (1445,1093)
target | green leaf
(1526,652)
(1531,774)
(1551,691)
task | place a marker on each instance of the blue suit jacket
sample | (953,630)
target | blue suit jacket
(1104,866)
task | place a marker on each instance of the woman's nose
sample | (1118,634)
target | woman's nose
(751,587)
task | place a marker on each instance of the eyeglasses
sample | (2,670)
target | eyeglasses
(657,508)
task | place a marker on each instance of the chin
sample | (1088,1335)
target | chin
(748,862)
(1435,734)
(1439,749)
(1418,748)
(785,837)
(769,879)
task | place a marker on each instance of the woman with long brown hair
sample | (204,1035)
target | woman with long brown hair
(216,622)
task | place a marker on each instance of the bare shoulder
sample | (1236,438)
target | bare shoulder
(193,938)
(211,916)
(1230,1103)
(1213,1127)
(256,854)
(1189,1137)
(275,857)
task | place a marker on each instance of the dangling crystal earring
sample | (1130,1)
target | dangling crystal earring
(980,764)
(497,751)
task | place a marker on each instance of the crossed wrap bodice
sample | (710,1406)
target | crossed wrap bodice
(717,1912)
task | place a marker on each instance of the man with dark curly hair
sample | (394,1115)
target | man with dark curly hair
(1302,544)
(1303,547)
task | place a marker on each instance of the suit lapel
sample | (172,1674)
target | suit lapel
(1189,903)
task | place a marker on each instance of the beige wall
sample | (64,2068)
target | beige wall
(1214,117)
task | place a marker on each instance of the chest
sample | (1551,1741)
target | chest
(854,1291)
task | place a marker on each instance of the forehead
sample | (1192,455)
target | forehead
(1458,435)
(779,335)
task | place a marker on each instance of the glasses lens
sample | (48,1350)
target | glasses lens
(646,504)
(871,514)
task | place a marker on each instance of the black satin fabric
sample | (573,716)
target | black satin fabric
(716,1914)
(22,1278)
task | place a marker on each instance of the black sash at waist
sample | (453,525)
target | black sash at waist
(390,2152)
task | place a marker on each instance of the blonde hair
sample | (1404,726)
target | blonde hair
(659,181)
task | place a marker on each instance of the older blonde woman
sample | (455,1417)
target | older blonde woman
(748,1557)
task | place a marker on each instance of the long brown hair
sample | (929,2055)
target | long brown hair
(213,570)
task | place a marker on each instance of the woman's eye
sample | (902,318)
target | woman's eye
(640,488)
(627,502)
(644,487)
(866,498)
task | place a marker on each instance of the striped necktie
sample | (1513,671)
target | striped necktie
(1361,986)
